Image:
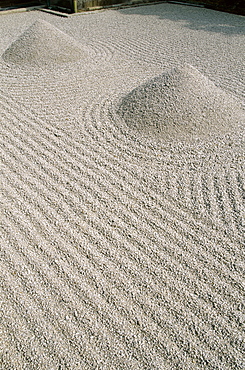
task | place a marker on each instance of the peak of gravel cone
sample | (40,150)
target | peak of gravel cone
(43,44)
(181,101)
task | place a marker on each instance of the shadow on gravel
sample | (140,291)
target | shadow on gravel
(194,18)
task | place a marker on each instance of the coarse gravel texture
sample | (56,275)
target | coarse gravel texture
(42,45)
(122,240)
(181,103)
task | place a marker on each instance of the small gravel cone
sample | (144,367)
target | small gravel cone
(182,101)
(41,45)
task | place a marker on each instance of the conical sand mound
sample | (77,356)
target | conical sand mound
(43,44)
(182,101)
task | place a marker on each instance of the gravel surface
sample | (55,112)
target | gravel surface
(42,45)
(181,102)
(122,190)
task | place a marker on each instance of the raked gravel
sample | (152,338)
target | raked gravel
(122,240)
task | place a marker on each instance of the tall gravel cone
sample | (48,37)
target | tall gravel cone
(41,45)
(180,102)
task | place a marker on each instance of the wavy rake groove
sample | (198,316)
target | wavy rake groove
(88,257)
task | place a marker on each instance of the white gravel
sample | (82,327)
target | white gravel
(122,238)
(181,102)
(43,44)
